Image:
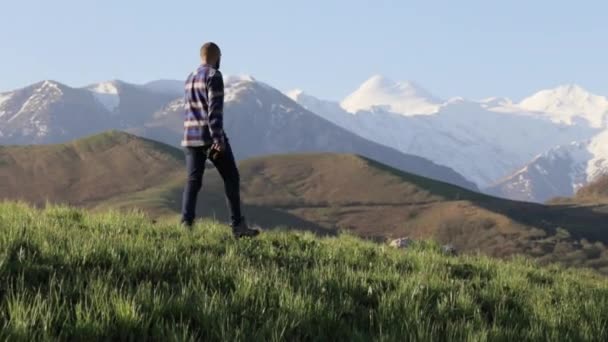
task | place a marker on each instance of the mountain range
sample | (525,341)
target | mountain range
(260,120)
(497,143)
(547,145)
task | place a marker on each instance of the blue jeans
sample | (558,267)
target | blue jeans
(226,166)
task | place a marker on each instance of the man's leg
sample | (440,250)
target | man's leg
(195,165)
(226,166)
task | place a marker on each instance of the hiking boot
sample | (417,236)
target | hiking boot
(243,230)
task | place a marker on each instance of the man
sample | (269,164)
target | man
(204,138)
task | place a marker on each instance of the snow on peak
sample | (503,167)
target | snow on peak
(236,84)
(379,81)
(107,94)
(303,98)
(235,79)
(47,88)
(456,99)
(496,102)
(567,103)
(105,88)
(4,98)
(50,85)
(41,96)
(295,94)
(405,98)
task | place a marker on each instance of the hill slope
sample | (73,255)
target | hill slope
(87,170)
(321,192)
(70,275)
(356,194)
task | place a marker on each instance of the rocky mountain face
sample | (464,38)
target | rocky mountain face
(48,112)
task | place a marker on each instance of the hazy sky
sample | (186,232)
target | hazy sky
(468,48)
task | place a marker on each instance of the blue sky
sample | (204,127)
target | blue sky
(464,48)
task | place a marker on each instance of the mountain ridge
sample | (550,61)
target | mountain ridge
(255,112)
(485,142)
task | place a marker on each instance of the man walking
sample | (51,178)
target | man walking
(204,138)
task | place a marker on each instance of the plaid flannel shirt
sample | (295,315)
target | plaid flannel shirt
(204,102)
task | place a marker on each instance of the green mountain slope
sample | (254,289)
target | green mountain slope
(85,171)
(71,275)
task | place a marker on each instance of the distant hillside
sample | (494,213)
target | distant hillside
(321,192)
(85,171)
(360,195)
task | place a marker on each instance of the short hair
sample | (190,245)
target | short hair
(210,51)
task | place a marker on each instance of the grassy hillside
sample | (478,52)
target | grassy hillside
(85,171)
(324,193)
(69,274)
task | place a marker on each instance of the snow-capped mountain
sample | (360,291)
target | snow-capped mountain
(131,103)
(562,170)
(405,98)
(260,120)
(485,140)
(49,111)
(559,172)
(568,104)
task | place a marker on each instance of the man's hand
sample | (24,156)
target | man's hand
(217,149)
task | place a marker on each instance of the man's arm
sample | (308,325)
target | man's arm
(215,93)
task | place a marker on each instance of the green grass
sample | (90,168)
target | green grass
(71,275)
